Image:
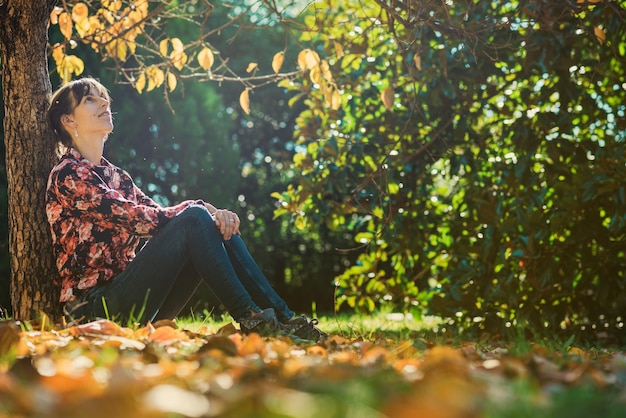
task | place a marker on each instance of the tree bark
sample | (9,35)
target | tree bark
(30,154)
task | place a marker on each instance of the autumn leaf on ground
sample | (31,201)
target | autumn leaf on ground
(164,370)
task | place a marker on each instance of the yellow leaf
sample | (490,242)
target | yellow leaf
(156,77)
(58,52)
(76,65)
(83,27)
(65,25)
(387,96)
(119,49)
(179,59)
(163,47)
(338,48)
(171,81)
(302,60)
(54,15)
(277,61)
(206,58)
(142,6)
(251,67)
(68,65)
(316,75)
(113,5)
(312,59)
(325,69)
(80,12)
(244,101)
(600,34)
(140,84)
(335,101)
(308,59)
(177,44)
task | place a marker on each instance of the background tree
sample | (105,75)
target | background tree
(477,150)
(134,36)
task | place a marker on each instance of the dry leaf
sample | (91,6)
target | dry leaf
(277,61)
(9,337)
(338,49)
(417,60)
(600,34)
(387,96)
(244,101)
(252,66)
(80,12)
(171,81)
(65,25)
(206,58)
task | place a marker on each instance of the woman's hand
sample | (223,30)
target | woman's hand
(227,222)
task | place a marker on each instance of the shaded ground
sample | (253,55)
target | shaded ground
(166,370)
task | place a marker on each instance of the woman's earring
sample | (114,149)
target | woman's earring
(76,132)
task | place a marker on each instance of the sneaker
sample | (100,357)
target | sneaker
(263,323)
(305,328)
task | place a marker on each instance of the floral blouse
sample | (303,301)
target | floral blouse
(97,217)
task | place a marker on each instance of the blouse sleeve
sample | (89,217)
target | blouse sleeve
(85,195)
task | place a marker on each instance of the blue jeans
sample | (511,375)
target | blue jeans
(161,279)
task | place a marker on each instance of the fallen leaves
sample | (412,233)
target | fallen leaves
(161,370)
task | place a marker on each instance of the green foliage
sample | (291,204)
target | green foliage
(478,154)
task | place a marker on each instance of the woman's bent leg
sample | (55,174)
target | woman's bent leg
(184,288)
(254,280)
(140,291)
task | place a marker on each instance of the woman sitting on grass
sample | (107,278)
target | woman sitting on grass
(98,216)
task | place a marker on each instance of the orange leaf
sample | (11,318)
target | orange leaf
(79,12)
(387,96)
(600,34)
(65,25)
(251,67)
(165,334)
(252,344)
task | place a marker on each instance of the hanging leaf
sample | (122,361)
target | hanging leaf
(244,101)
(177,44)
(80,12)
(65,25)
(179,58)
(338,49)
(325,70)
(54,15)
(171,81)
(70,64)
(251,67)
(600,34)
(417,60)
(206,58)
(58,52)
(140,84)
(156,77)
(163,47)
(387,96)
(308,59)
(312,59)
(335,102)
(277,61)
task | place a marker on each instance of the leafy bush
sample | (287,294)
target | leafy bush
(477,149)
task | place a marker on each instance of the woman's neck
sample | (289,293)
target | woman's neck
(90,149)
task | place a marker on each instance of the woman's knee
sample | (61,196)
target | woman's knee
(196,213)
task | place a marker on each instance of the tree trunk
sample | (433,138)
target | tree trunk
(30,154)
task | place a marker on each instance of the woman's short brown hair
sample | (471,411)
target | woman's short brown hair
(65,100)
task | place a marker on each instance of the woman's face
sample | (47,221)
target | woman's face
(91,116)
